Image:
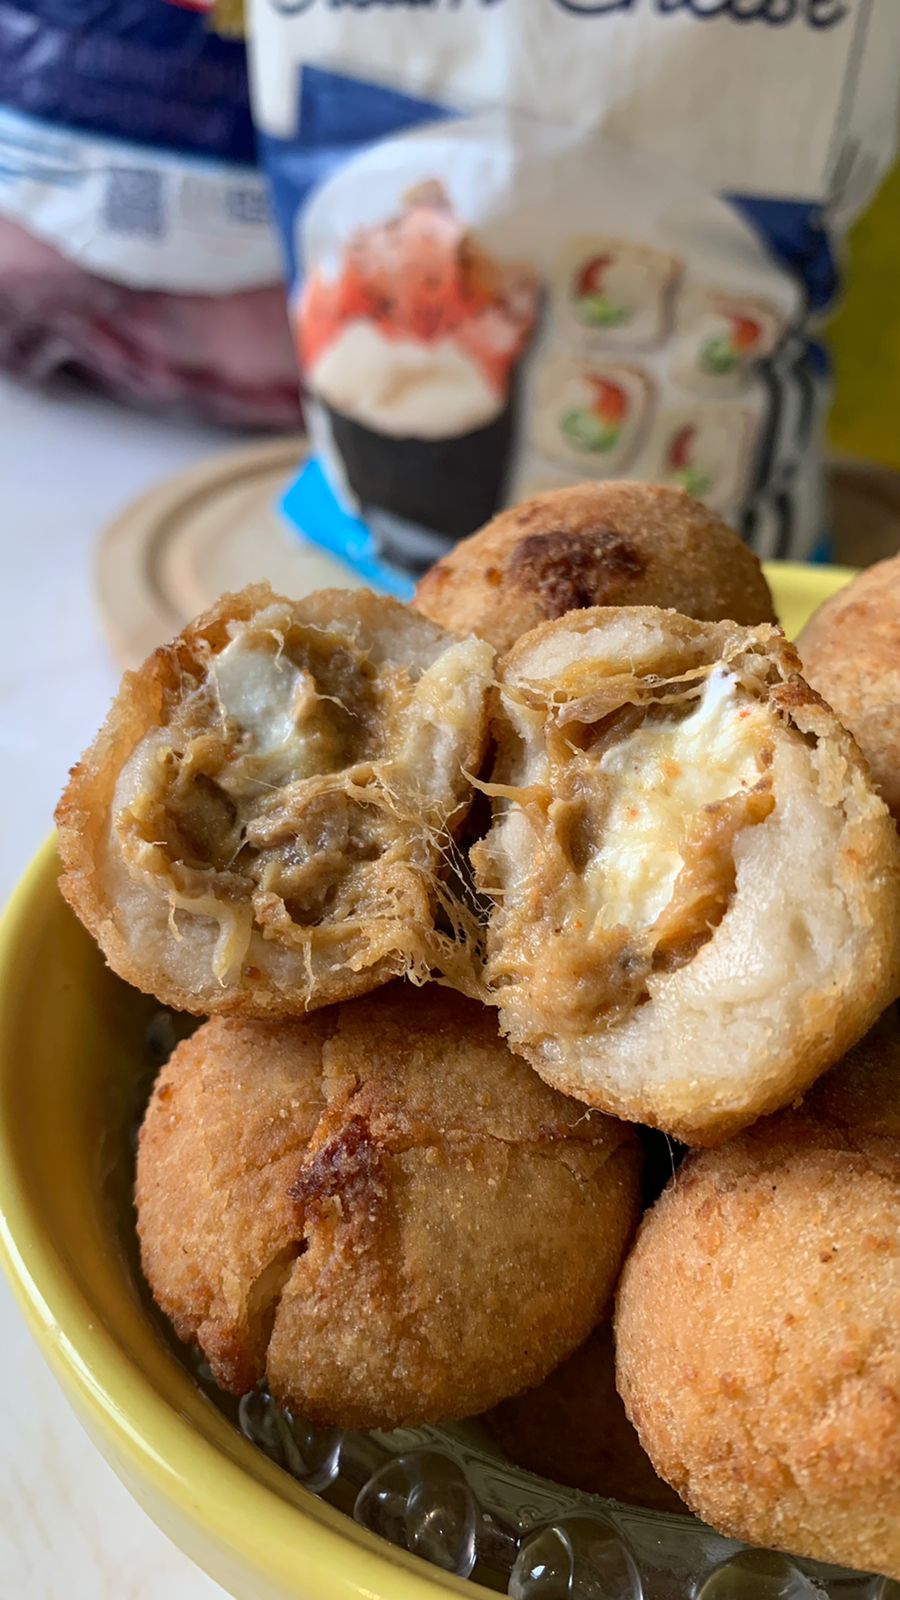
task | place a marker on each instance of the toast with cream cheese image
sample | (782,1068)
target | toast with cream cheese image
(718,340)
(707,450)
(616,293)
(592,416)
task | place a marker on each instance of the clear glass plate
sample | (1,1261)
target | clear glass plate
(446,1495)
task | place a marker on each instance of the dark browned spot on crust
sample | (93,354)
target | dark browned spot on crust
(795,694)
(348,1166)
(568,571)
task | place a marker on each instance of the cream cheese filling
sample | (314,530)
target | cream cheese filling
(258,686)
(287,724)
(663,774)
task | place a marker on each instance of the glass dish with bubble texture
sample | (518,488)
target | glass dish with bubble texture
(444,1495)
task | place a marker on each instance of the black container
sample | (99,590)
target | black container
(441,489)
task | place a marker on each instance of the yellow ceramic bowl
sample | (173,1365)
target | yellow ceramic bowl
(70,1052)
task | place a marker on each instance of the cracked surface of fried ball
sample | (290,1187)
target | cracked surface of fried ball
(757,1325)
(380,1208)
(851,654)
(573,1429)
(605,544)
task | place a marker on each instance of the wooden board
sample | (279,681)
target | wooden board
(199,534)
(215,528)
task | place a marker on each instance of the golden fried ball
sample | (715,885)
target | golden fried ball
(695,889)
(380,1208)
(756,1335)
(605,544)
(851,655)
(573,1429)
(863,1090)
(259,825)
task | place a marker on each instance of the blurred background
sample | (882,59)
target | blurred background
(863,335)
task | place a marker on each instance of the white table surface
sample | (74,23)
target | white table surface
(68,1530)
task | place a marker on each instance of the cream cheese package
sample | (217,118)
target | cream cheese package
(535,242)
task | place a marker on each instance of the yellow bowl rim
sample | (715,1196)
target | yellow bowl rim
(324,1549)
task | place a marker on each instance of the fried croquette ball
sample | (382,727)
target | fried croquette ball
(696,890)
(258,824)
(573,1429)
(863,1090)
(380,1208)
(851,654)
(756,1336)
(604,544)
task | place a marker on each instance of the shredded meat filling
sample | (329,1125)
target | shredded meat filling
(272,785)
(633,837)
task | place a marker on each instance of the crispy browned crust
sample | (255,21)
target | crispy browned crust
(695,1081)
(851,654)
(132,920)
(380,1207)
(594,545)
(573,1429)
(756,1335)
(82,815)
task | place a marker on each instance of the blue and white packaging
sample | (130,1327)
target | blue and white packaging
(136,238)
(531,242)
(126,141)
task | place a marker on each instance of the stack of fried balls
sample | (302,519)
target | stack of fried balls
(487,900)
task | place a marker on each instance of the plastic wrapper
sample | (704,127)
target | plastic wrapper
(597,246)
(136,246)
